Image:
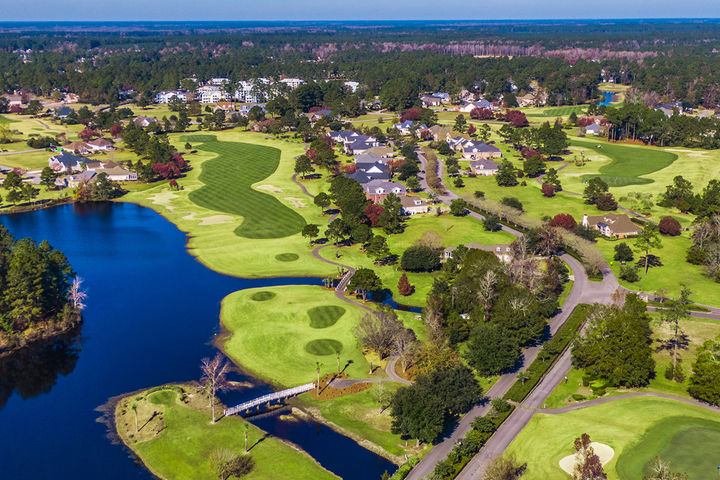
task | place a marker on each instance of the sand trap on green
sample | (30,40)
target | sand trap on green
(278,338)
(604,452)
(228,180)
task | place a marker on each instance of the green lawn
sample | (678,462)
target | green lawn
(564,111)
(280,338)
(212,235)
(628,164)
(697,330)
(620,424)
(451,230)
(183,449)
(228,179)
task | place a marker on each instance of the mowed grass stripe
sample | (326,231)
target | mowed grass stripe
(228,179)
(628,163)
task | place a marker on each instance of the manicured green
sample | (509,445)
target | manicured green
(325,316)
(228,179)
(628,164)
(262,296)
(619,424)
(563,111)
(690,444)
(212,237)
(184,448)
(275,339)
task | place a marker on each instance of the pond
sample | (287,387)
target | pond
(609,97)
(151,316)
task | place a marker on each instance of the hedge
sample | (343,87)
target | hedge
(405,468)
(547,355)
(464,451)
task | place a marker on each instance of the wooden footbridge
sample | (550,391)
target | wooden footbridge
(269,398)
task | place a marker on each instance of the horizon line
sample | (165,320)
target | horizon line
(487,20)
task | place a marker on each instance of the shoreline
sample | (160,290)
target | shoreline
(62,330)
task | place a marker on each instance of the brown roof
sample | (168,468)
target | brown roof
(381,151)
(618,222)
(409,201)
(77,145)
(101,142)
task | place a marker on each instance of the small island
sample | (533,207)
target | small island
(41,299)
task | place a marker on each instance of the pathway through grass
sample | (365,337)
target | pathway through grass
(228,188)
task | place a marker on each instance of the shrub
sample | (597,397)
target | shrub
(577,397)
(606,202)
(623,253)
(512,202)
(629,273)
(564,220)
(669,226)
(458,182)
(695,255)
(420,258)
(479,194)
(483,425)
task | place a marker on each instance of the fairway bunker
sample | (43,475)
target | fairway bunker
(604,452)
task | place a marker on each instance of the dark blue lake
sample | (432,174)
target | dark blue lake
(151,316)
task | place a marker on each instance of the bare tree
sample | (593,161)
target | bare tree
(214,378)
(134,408)
(77,295)
(378,332)
(486,292)
(677,311)
(404,346)
(227,464)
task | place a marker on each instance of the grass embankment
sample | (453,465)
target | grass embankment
(279,333)
(697,330)
(176,439)
(213,238)
(451,230)
(619,424)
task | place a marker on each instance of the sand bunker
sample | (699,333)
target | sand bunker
(190,216)
(269,188)
(164,199)
(216,220)
(605,452)
(296,202)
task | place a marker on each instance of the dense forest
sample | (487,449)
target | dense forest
(672,60)
(38,296)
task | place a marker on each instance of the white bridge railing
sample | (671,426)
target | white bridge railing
(290,392)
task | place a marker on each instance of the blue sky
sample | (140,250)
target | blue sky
(238,10)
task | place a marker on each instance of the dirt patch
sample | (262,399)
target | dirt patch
(189,217)
(216,220)
(326,392)
(269,188)
(296,202)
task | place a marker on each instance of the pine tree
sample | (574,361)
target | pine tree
(404,286)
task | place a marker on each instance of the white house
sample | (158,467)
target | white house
(353,86)
(484,167)
(470,106)
(100,144)
(252,91)
(592,129)
(293,83)
(166,96)
(413,205)
(65,162)
(118,174)
(211,94)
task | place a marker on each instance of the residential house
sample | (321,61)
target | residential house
(484,167)
(167,96)
(439,132)
(219,82)
(85,177)
(244,109)
(443,96)
(293,83)
(377,190)
(13,99)
(361,145)
(482,103)
(430,101)
(71,98)
(252,91)
(592,129)
(669,109)
(382,151)
(144,122)
(527,100)
(474,150)
(318,114)
(353,86)
(117,173)
(226,106)
(503,252)
(407,127)
(616,225)
(368,158)
(101,144)
(413,205)
(78,147)
(211,94)
(66,162)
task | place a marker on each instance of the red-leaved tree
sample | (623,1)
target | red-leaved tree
(564,220)
(482,114)
(404,286)
(547,190)
(373,212)
(669,226)
(115,130)
(411,114)
(88,134)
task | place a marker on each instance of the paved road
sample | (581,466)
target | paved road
(15,152)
